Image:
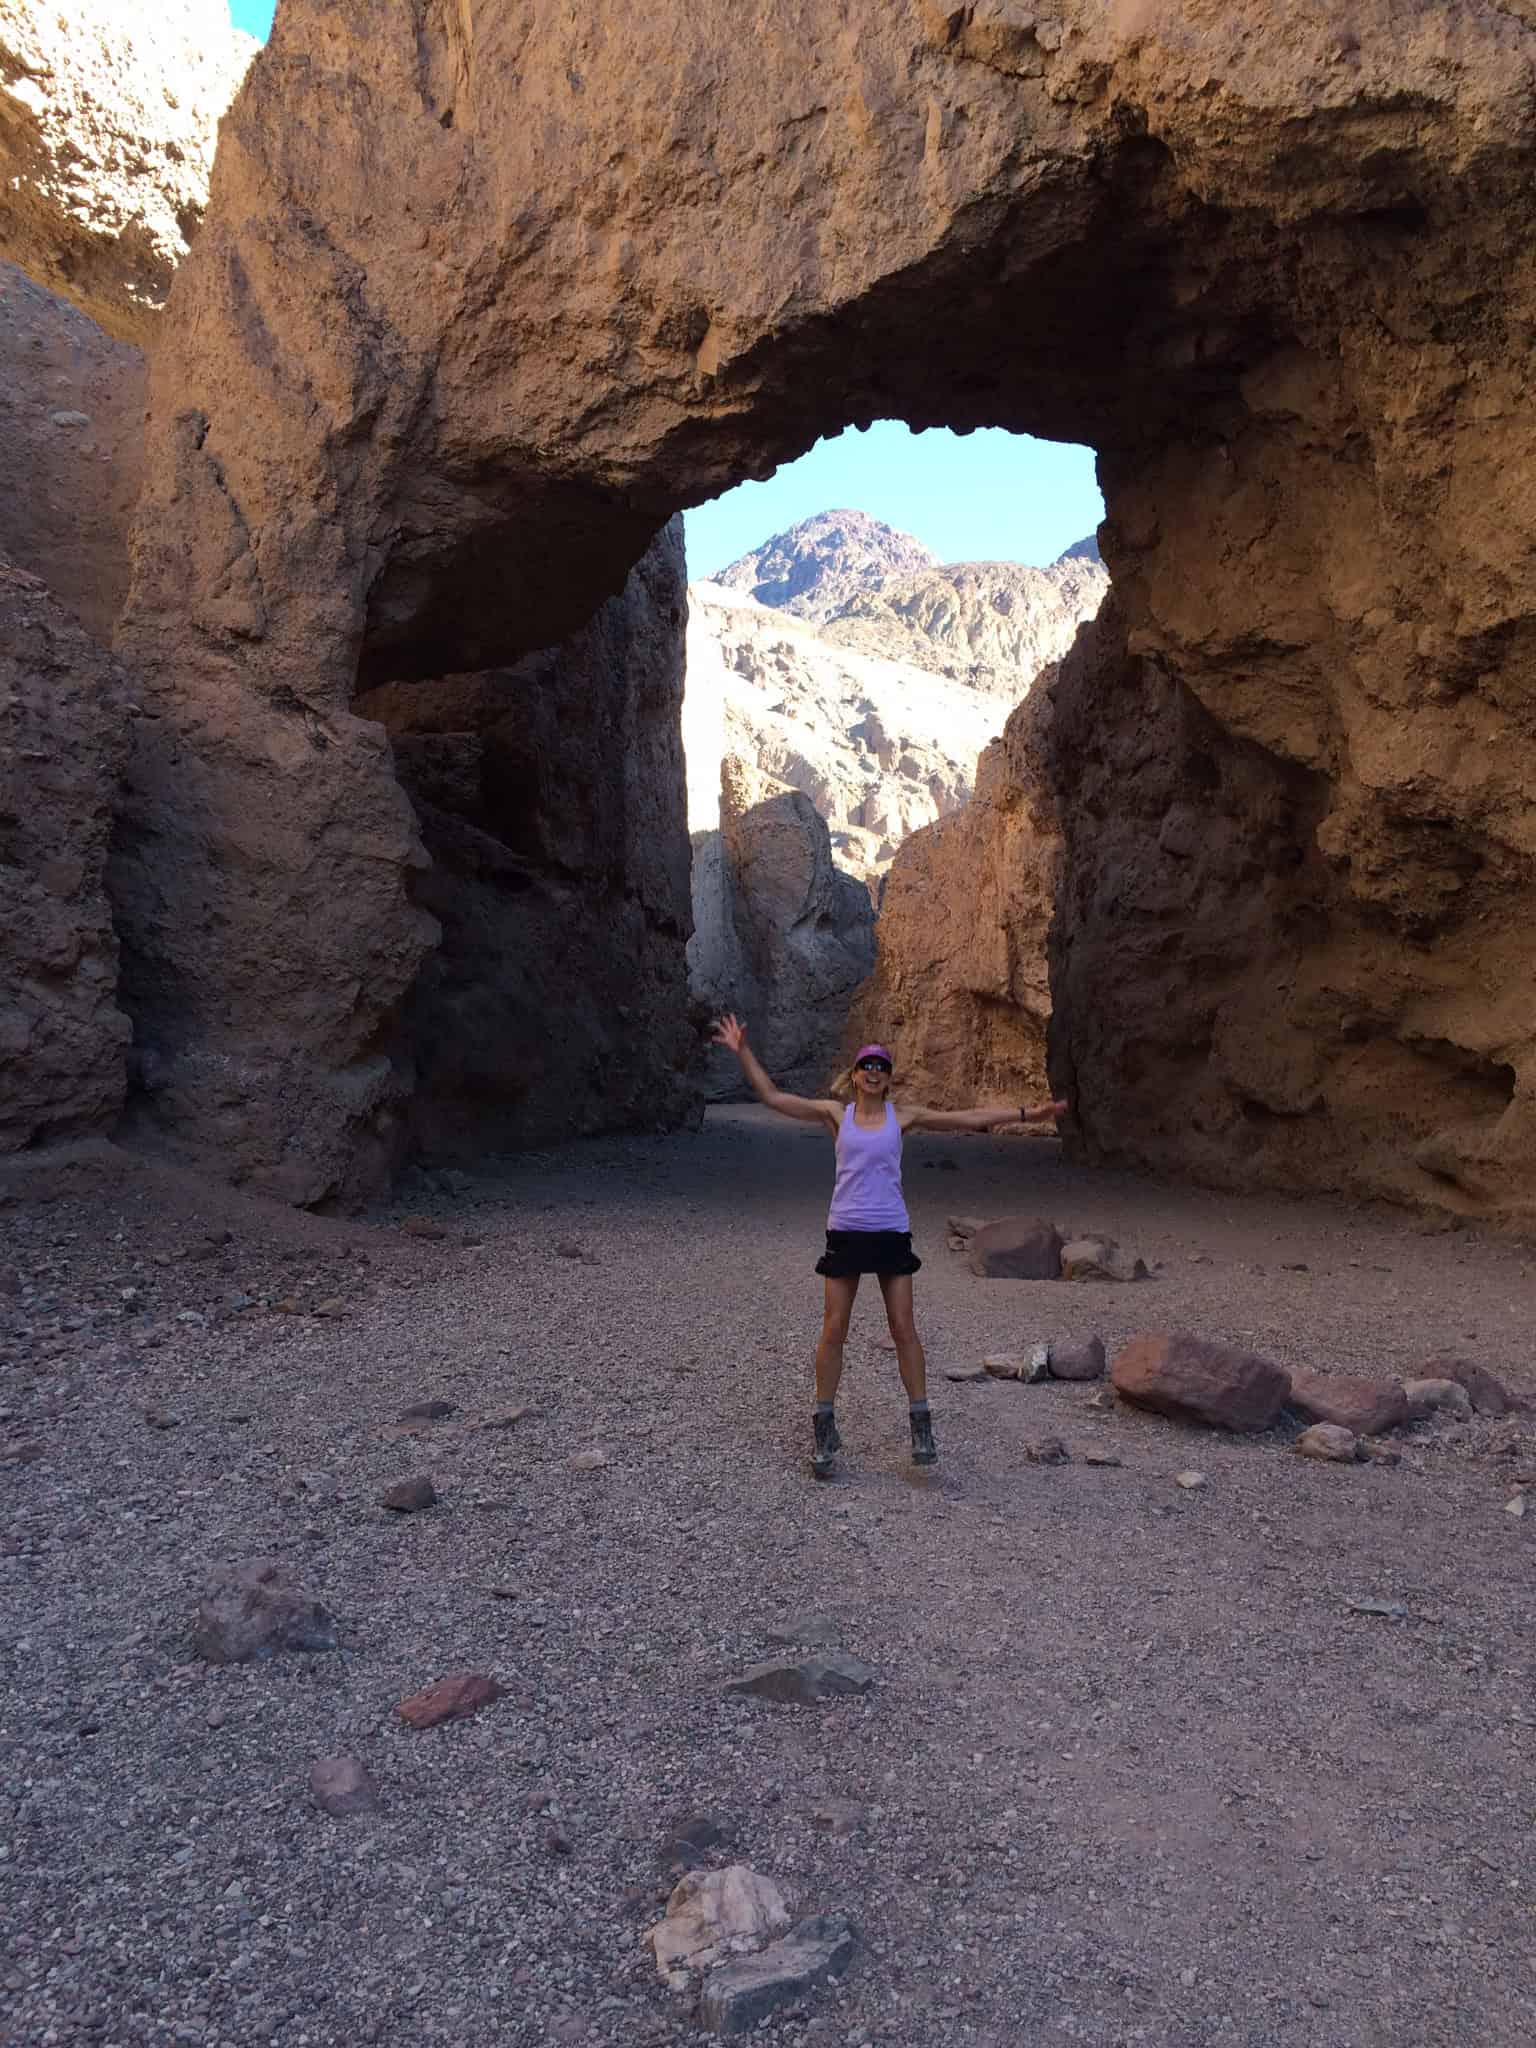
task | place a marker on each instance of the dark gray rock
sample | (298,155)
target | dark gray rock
(1017,1248)
(410,1496)
(1078,1361)
(427,1411)
(738,1996)
(802,1683)
(250,1610)
(340,1786)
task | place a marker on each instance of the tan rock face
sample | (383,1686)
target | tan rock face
(961,989)
(63,741)
(480,302)
(109,111)
(71,448)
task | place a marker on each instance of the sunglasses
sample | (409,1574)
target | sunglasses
(874,1066)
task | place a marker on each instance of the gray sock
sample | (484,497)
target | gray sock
(918,1407)
(822,1408)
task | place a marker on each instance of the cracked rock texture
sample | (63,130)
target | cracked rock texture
(63,739)
(109,112)
(481,302)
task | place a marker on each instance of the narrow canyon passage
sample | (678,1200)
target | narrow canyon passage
(1133,1769)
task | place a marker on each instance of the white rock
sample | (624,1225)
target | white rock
(709,1909)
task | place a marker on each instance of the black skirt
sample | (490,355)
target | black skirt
(850,1252)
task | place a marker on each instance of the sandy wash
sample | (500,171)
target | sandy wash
(868,1229)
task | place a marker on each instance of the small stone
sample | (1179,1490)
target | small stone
(802,1684)
(587,1461)
(1100,1458)
(964,1374)
(740,1995)
(1380,1454)
(508,1418)
(556,1843)
(428,1411)
(1390,1610)
(1047,1450)
(1102,1403)
(840,1817)
(1437,1397)
(339,1785)
(450,1699)
(1516,1506)
(23,1451)
(216,1717)
(410,1496)
(250,1610)
(1100,1258)
(568,1248)
(332,1308)
(1189,1480)
(69,418)
(423,1227)
(161,1418)
(1329,1442)
(1078,1361)
(1487,1393)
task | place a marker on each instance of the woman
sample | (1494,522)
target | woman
(867,1226)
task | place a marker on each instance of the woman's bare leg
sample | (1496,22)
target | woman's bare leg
(834,1334)
(897,1291)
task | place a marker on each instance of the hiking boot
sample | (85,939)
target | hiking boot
(828,1444)
(924,1450)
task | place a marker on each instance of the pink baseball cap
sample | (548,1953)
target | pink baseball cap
(873,1052)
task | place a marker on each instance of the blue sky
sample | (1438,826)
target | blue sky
(988,496)
(974,497)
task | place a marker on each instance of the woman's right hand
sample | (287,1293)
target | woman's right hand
(730,1032)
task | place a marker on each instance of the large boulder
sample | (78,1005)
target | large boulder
(471,316)
(64,715)
(1195,1380)
(1367,1407)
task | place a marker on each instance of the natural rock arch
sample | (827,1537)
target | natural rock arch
(485,294)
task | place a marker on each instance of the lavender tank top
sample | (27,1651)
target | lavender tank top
(867,1192)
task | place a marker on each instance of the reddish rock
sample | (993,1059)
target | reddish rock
(451,1699)
(1194,1380)
(1487,1393)
(1367,1407)
(1017,1248)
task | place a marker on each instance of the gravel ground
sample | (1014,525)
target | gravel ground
(1135,1770)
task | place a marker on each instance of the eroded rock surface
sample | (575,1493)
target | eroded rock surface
(71,448)
(109,112)
(1268,279)
(64,712)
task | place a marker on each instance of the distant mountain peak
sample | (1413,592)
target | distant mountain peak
(815,568)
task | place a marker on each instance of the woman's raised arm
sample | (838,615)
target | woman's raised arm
(731,1033)
(989,1117)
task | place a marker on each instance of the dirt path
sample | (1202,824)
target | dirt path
(1134,1770)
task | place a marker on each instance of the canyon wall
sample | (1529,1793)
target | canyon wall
(961,991)
(480,302)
